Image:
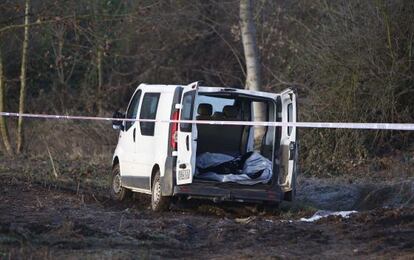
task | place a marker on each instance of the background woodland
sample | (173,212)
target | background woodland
(351,61)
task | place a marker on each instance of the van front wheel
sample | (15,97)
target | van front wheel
(158,202)
(118,192)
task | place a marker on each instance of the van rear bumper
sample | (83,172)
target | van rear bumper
(217,193)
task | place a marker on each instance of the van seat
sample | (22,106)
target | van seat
(230,112)
(218,116)
(204,111)
(225,139)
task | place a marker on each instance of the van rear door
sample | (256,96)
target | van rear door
(187,136)
(288,144)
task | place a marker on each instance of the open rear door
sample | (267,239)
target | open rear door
(288,144)
(187,136)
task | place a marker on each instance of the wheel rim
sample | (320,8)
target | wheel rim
(116,183)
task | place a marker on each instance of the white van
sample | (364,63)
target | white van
(217,161)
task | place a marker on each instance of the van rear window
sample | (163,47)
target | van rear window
(187,111)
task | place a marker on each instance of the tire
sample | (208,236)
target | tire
(118,192)
(158,202)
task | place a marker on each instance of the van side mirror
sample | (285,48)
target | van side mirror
(118,124)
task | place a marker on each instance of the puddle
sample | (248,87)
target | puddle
(326,213)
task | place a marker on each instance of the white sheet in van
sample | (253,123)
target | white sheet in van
(253,164)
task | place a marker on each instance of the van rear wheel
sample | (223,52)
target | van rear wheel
(118,192)
(158,202)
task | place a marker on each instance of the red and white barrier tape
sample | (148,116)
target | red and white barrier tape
(369,126)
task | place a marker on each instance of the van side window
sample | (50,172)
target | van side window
(132,110)
(149,111)
(187,111)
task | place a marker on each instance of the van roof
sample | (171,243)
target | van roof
(207,89)
(204,89)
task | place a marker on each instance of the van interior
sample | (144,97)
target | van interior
(236,140)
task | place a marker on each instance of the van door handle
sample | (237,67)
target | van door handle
(187,142)
(133,134)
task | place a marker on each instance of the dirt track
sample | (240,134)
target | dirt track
(47,223)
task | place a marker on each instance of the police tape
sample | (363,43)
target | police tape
(337,125)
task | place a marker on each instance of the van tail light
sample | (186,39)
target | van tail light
(174,129)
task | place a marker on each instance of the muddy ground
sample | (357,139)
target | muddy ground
(54,204)
(43,221)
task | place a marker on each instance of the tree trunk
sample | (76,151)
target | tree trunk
(20,135)
(3,125)
(251,54)
(99,72)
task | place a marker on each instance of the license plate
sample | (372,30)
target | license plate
(184,174)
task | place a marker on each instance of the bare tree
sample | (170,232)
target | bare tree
(100,78)
(3,125)
(23,78)
(251,54)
